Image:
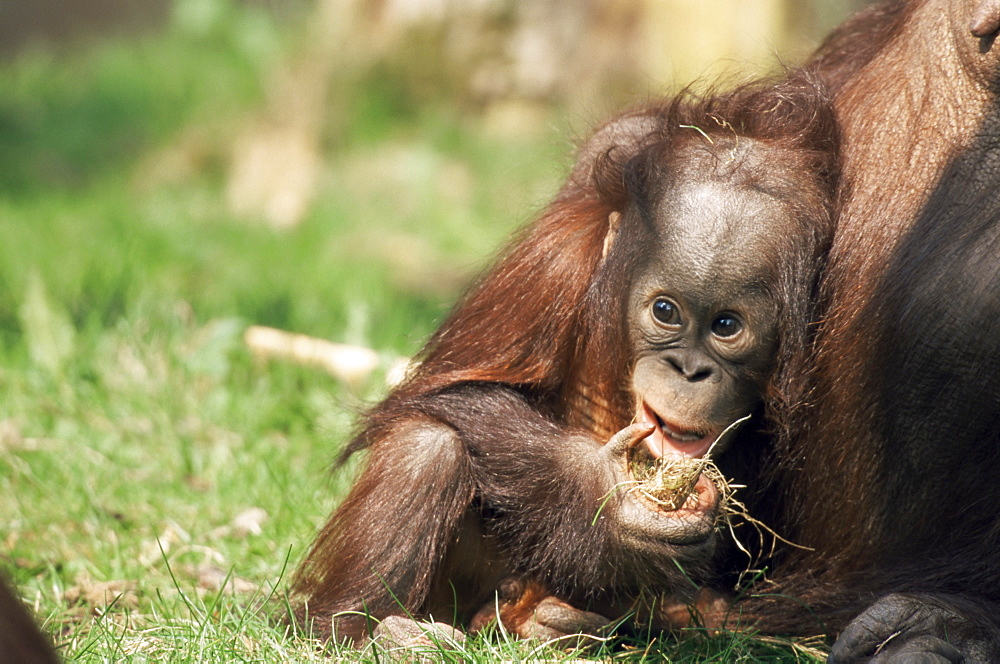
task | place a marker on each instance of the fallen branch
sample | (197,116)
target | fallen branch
(351,364)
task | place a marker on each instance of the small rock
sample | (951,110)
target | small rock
(215,578)
(398,632)
(248,522)
(101,594)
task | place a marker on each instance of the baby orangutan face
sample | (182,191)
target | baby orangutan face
(703,315)
(704,318)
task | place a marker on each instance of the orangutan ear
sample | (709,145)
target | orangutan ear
(614,143)
(614,219)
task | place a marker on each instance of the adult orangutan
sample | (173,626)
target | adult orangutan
(20,639)
(669,284)
(893,482)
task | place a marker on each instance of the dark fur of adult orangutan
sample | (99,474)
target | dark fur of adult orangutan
(20,639)
(893,483)
(669,284)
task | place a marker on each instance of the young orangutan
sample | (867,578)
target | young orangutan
(662,296)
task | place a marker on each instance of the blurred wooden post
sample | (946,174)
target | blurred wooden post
(685,40)
(351,364)
(277,158)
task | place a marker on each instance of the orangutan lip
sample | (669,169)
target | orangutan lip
(677,434)
(669,438)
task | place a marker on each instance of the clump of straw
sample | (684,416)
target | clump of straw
(670,480)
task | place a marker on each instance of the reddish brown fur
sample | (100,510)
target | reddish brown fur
(889,472)
(540,332)
(471,474)
(891,477)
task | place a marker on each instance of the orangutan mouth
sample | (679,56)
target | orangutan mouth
(670,438)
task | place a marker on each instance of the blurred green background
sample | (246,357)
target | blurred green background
(174,172)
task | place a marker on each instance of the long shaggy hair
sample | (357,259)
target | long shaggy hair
(549,315)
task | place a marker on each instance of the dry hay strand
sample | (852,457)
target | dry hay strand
(669,482)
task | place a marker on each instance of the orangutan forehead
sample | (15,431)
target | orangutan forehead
(703,224)
(738,160)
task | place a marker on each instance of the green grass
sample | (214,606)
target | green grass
(134,424)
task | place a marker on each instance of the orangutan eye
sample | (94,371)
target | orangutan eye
(666,312)
(726,325)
